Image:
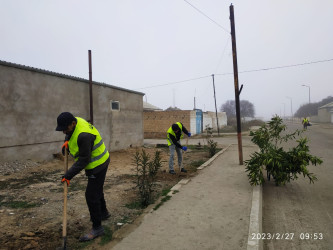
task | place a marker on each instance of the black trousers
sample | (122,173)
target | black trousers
(95,196)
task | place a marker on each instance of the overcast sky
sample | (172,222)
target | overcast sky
(168,49)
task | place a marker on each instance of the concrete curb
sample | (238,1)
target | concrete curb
(254,242)
(207,163)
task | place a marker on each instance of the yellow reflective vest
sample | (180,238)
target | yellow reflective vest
(99,153)
(170,131)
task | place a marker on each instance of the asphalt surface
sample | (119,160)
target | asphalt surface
(301,211)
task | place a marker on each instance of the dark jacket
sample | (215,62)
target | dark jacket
(177,138)
(85,143)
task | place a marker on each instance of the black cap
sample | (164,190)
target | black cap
(64,120)
(175,127)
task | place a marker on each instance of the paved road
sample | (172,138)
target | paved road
(302,209)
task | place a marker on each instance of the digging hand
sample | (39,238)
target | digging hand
(189,134)
(65,180)
(65,145)
(184,148)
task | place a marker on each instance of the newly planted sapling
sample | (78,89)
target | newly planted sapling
(283,165)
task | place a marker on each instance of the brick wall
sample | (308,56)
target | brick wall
(156,123)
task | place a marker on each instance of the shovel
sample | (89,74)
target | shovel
(183,153)
(64,222)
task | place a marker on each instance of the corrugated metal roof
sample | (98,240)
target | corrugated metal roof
(43,71)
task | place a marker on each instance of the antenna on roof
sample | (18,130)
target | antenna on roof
(174,101)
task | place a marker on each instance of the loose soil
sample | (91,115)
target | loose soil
(31,198)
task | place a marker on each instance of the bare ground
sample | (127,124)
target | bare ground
(31,199)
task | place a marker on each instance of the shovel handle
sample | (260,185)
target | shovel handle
(64,222)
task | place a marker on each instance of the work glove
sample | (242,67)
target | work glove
(63,148)
(65,180)
(184,148)
(189,134)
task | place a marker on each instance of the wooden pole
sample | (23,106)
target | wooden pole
(217,119)
(237,92)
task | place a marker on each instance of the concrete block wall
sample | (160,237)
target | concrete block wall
(222,118)
(156,123)
(193,124)
(209,118)
(31,99)
(207,121)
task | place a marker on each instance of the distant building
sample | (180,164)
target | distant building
(149,107)
(156,123)
(172,109)
(325,113)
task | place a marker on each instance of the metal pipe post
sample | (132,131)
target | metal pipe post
(90,89)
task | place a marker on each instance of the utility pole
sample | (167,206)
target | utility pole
(309,91)
(90,89)
(237,91)
(217,119)
(174,101)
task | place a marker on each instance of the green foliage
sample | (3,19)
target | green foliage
(19,204)
(209,131)
(107,236)
(164,199)
(283,165)
(165,191)
(212,147)
(146,171)
(197,163)
(134,205)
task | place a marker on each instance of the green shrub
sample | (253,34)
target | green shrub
(209,131)
(283,165)
(212,147)
(146,171)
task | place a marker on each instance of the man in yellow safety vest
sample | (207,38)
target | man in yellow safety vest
(174,134)
(305,123)
(87,147)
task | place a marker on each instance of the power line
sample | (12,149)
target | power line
(246,71)
(170,83)
(207,16)
(280,67)
(220,60)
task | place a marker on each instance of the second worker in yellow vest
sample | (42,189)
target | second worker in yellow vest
(174,134)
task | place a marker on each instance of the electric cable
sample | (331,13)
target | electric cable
(241,72)
(207,17)
(170,83)
(279,67)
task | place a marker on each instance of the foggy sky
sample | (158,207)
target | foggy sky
(157,46)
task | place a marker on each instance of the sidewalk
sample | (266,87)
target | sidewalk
(211,211)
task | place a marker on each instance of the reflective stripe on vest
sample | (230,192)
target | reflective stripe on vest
(99,153)
(170,131)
